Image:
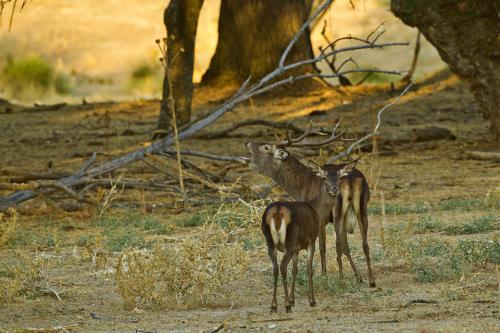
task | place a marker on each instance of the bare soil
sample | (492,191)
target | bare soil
(47,142)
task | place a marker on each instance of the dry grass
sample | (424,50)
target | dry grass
(198,272)
(8,227)
(23,278)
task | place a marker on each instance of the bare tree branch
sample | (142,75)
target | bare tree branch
(250,122)
(375,130)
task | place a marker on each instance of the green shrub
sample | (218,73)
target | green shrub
(192,221)
(399,209)
(428,223)
(32,74)
(124,231)
(460,204)
(146,77)
(119,240)
(434,260)
(483,224)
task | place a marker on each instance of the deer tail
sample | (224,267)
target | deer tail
(350,219)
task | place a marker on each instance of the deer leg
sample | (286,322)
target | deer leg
(295,260)
(338,246)
(347,253)
(322,246)
(363,227)
(341,210)
(284,267)
(274,259)
(310,257)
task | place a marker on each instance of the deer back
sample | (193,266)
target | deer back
(290,224)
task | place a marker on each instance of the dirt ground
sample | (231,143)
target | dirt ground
(434,173)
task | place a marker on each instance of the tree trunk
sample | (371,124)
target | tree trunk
(466,35)
(252,36)
(181,20)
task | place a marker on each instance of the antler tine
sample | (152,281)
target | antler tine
(289,141)
(331,138)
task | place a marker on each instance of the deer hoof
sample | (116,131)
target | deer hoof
(288,308)
(312,303)
(372,284)
(274,309)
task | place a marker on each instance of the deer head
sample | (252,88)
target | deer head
(269,159)
(332,178)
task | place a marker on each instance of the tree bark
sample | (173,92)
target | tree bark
(252,36)
(466,35)
(180,19)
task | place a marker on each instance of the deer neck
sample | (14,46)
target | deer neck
(322,204)
(295,178)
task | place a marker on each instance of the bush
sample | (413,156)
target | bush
(146,78)
(32,74)
(483,224)
(122,231)
(434,260)
(196,273)
(23,278)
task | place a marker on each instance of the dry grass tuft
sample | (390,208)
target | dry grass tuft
(8,226)
(198,272)
(24,278)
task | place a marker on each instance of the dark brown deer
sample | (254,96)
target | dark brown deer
(351,206)
(293,226)
(274,161)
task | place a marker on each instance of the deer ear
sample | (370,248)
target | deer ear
(280,154)
(317,169)
(346,170)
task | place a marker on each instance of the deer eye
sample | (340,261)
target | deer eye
(264,148)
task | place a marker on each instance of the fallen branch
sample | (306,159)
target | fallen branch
(483,155)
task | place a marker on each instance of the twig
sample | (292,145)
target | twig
(407,77)
(375,130)
(419,301)
(217,329)
(108,199)
(171,105)
(87,164)
(48,287)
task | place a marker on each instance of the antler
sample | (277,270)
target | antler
(313,129)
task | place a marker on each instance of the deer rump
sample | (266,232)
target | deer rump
(290,222)
(354,193)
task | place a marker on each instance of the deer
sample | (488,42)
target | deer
(293,226)
(302,183)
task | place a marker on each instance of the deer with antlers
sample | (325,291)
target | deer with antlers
(302,183)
